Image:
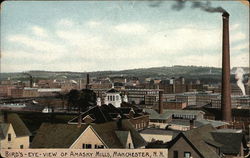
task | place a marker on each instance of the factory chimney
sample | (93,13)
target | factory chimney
(226,89)
(87,84)
(160,102)
(31,81)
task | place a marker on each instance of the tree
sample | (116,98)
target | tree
(73,98)
(81,99)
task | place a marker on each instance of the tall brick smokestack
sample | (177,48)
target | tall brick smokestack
(160,102)
(87,85)
(31,81)
(226,88)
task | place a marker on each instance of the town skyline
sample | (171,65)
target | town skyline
(103,36)
(61,71)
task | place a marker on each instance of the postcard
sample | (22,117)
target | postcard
(135,79)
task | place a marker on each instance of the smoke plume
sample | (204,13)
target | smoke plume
(180,4)
(154,3)
(205,6)
(239,77)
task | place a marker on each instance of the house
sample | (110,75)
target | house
(164,119)
(184,124)
(106,113)
(138,117)
(13,132)
(113,97)
(207,142)
(112,134)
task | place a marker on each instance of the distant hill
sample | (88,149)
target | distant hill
(188,72)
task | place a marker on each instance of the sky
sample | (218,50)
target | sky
(116,35)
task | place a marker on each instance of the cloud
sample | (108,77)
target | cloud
(84,43)
(234,27)
(97,46)
(238,37)
(240,60)
(19,60)
(240,47)
(183,40)
(65,23)
(39,31)
(131,28)
(20,55)
(93,23)
(36,45)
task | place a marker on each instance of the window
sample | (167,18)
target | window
(187,154)
(175,154)
(86,146)
(9,137)
(129,145)
(21,146)
(99,146)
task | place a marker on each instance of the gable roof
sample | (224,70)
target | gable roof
(122,136)
(107,133)
(56,135)
(64,135)
(200,137)
(17,124)
(231,142)
(3,130)
(106,113)
(96,113)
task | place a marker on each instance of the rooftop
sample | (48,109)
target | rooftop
(64,135)
(17,124)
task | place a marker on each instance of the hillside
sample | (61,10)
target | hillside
(188,72)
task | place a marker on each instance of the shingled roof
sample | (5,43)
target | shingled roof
(99,115)
(64,135)
(231,142)
(3,130)
(200,138)
(56,135)
(17,124)
(122,136)
(203,138)
(106,113)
